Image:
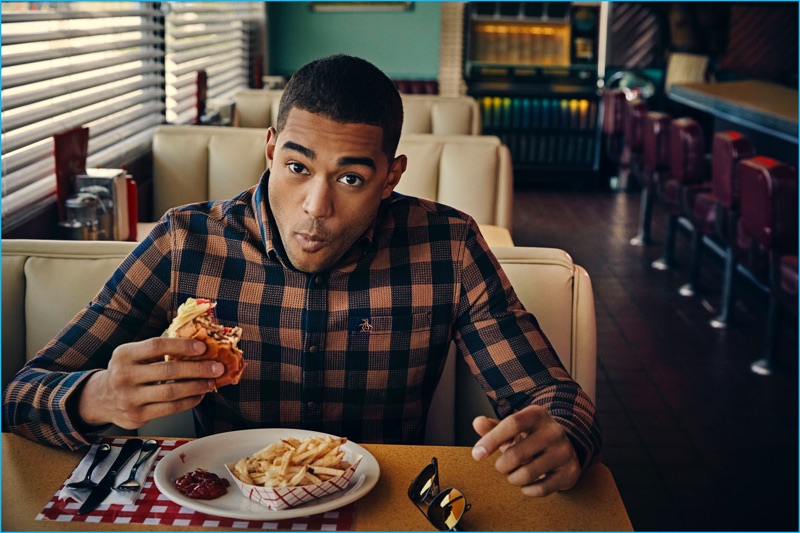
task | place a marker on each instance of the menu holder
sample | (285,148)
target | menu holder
(201,83)
(70,150)
(133,207)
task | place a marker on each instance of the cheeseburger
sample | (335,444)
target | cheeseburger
(196,320)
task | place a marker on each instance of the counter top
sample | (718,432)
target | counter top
(762,105)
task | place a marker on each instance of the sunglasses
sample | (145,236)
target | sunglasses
(445,507)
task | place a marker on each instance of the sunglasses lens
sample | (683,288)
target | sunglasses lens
(447,509)
(421,487)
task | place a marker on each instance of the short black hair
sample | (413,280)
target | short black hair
(346,89)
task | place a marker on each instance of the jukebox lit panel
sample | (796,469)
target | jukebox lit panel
(544,131)
(520,43)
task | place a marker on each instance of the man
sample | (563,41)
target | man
(348,296)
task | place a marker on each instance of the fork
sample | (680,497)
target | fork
(131,484)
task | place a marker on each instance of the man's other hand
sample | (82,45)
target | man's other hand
(536,454)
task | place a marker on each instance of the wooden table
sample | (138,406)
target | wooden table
(32,473)
(759,105)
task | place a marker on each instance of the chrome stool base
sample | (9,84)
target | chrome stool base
(762,367)
(687,290)
(719,323)
(660,264)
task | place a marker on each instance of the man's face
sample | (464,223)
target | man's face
(326,182)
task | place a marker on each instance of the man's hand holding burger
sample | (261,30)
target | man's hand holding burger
(165,375)
(139,385)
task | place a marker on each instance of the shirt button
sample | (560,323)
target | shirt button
(311,405)
(313,349)
(319,280)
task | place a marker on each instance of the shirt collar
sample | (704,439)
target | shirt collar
(264,216)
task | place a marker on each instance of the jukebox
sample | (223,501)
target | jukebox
(534,69)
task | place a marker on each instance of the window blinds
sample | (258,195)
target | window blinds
(214,37)
(119,68)
(67,64)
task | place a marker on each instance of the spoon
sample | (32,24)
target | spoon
(132,484)
(87,483)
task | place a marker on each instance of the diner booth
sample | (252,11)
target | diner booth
(631,165)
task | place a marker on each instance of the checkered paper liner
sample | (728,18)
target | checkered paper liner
(280,498)
(154,509)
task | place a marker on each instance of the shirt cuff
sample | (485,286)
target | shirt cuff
(75,430)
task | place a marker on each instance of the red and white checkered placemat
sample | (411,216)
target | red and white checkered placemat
(153,508)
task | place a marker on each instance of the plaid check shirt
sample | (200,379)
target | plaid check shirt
(356,351)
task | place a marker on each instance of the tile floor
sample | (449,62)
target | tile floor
(695,440)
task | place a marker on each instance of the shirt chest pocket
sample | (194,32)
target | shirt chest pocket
(386,334)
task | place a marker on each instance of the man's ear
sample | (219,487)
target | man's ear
(396,169)
(272,137)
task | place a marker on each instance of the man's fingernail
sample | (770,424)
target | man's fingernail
(199,347)
(212,384)
(478,453)
(217,368)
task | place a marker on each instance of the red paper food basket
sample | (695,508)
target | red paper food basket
(286,497)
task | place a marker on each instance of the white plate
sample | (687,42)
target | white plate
(212,452)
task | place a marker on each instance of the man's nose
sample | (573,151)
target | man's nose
(318,202)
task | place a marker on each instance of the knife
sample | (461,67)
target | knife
(103,488)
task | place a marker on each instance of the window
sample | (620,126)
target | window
(66,64)
(214,37)
(119,68)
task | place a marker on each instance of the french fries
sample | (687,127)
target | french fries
(294,462)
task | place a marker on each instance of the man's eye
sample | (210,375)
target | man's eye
(297,168)
(351,179)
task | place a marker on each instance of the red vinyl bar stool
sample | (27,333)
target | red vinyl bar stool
(730,148)
(708,215)
(769,217)
(688,177)
(655,169)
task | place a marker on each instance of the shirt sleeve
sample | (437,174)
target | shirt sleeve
(510,355)
(132,305)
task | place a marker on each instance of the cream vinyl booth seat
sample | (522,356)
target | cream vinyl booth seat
(422,113)
(45,283)
(470,173)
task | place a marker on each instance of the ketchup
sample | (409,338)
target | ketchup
(201,485)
